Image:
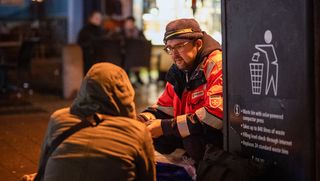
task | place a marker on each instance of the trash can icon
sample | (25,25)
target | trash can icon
(256,73)
(264,61)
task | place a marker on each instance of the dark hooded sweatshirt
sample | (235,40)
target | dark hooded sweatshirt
(119,148)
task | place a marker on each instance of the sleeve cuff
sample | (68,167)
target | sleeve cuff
(166,125)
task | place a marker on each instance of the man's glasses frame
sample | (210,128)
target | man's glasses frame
(179,48)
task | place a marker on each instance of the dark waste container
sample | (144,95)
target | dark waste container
(271,82)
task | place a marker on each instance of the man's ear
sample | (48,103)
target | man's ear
(199,44)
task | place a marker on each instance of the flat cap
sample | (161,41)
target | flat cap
(182,29)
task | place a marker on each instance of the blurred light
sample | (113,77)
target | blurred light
(147,17)
(217,36)
(154,11)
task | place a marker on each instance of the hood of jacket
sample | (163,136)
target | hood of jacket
(209,45)
(106,89)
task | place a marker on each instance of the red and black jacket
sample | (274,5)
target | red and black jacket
(192,100)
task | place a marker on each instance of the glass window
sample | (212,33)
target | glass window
(160,12)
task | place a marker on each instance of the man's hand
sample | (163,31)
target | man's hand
(155,128)
(145,117)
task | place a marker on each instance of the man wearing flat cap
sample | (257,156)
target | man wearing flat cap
(189,112)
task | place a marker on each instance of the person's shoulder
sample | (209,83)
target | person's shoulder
(213,63)
(62,115)
(141,35)
(85,28)
(216,52)
(128,124)
(134,123)
(60,112)
(215,56)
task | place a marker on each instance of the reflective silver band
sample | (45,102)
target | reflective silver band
(183,126)
(209,69)
(209,119)
(167,110)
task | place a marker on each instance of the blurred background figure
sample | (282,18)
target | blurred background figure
(130,30)
(90,33)
(113,28)
(3,28)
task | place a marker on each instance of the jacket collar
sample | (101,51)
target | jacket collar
(178,79)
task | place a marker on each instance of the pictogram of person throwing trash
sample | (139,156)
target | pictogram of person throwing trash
(266,56)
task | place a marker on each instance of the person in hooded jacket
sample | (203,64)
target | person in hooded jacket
(118,149)
(189,112)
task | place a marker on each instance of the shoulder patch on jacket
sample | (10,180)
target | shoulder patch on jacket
(215,101)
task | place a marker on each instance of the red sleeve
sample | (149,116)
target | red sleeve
(166,98)
(214,97)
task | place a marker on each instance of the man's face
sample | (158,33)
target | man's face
(96,19)
(129,24)
(183,52)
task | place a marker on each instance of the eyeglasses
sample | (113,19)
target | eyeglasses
(179,48)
